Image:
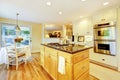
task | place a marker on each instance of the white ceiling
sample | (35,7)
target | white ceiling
(38,11)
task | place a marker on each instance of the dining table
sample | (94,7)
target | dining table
(3,53)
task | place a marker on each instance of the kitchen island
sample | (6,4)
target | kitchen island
(65,61)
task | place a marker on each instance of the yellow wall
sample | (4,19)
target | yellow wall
(36,31)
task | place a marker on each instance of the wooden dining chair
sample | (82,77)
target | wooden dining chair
(15,56)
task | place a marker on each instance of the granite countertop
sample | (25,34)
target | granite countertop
(70,48)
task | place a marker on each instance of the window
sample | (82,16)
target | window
(8,34)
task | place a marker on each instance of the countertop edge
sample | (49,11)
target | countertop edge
(68,51)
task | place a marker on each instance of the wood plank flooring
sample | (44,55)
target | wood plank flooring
(31,71)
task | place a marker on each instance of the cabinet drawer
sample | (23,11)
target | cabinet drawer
(68,73)
(80,56)
(80,68)
(85,76)
(67,56)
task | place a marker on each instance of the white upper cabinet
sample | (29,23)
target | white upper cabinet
(85,25)
(82,27)
(75,25)
(105,16)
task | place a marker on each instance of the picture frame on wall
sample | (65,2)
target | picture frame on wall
(80,38)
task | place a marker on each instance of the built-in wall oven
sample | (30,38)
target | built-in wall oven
(106,33)
(105,47)
(105,38)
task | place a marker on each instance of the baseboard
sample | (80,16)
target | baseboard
(104,65)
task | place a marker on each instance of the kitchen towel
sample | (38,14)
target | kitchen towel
(61,65)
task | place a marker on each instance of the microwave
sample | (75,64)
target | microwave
(105,33)
(105,47)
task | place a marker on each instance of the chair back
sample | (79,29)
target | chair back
(10,49)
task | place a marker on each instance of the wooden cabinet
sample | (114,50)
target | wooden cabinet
(53,66)
(80,68)
(76,65)
(46,59)
(68,30)
(50,63)
(68,66)
(68,73)
(42,55)
(85,76)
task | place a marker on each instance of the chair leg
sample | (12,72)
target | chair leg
(25,60)
(8,64)
(16,64)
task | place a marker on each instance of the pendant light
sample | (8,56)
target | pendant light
(17,27)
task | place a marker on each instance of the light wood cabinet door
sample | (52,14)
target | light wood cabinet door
(42,55)
(80,68)
(85,76)
(68,73)
(76,66)
(50,62)
(46,60)
(53,66)
(42,58)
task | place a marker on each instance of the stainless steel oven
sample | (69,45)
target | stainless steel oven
(105,38)
(105,47)
(106,33)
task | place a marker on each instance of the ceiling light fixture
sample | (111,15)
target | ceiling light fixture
(105,3)
(83,0)
(60,13)
(17,27)
(48,3)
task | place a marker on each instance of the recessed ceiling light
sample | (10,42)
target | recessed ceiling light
(60,13)
(48,3)
(105,3)
(83,0)
(81,16)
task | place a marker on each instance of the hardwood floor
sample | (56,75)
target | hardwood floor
(31,71)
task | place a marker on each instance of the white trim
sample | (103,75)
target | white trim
(0,34)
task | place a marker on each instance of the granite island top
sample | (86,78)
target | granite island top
(69,48)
